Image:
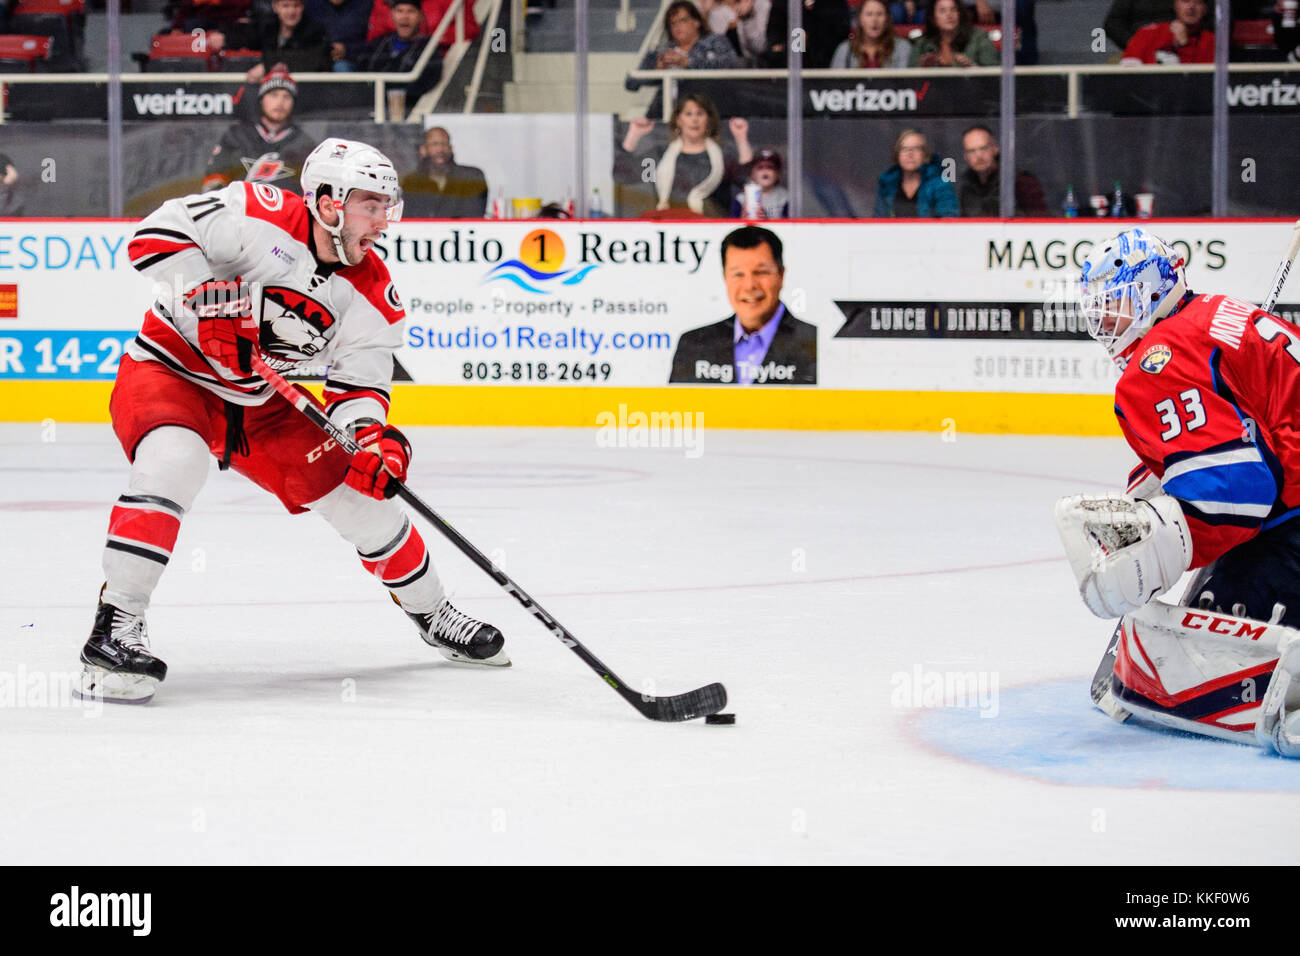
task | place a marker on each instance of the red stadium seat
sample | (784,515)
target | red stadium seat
(20,54)
(174,52)
(1253,33)
(65,8)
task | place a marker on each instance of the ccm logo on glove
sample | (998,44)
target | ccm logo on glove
(228,332)
(381,463)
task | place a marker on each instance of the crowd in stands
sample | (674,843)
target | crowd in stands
(304,36)
(701,174)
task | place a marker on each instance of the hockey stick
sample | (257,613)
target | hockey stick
(696,703)
(1283,269)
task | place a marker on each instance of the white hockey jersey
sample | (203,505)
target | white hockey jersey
(311,314)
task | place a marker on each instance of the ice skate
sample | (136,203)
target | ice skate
(117,663)
(459,637)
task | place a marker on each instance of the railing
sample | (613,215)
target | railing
(379,79)
(1073,75)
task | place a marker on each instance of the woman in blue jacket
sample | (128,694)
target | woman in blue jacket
(914,186)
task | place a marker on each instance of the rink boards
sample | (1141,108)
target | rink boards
(957,326)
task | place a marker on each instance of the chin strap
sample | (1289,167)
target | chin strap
(335,233)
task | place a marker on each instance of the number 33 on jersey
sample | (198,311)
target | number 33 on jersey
(1211,402)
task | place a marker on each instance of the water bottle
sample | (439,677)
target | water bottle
(1071,205)
(1117,203)
(596,212)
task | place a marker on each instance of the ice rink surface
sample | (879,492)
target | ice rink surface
(828,579)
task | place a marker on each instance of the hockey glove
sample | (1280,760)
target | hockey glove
(228,332)
(1123,552)
(381,463)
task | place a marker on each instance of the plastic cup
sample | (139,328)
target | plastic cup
(396,105)
(1100,204)
(525,207)
(1145,203)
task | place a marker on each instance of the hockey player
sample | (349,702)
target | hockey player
(254,269)
(1209,399)
(270,150)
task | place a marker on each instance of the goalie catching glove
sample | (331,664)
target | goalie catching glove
(1123,552)
(381,463)
(228,331)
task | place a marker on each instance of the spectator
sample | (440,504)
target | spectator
(744,22)
(693,173)
(1286,37)
(290,39)
(1183,40)
(381,21)
(270,150)
(907,11)
(981,192)
(441,188)
(686,45)
(914,186)
(950,39)
(825,22)
(1126,17)
(398,52)
(345,23)
(988,13)
(872,44)
(774,198)
(11,203)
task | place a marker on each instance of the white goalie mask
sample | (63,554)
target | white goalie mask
(1134,276)
(338,166)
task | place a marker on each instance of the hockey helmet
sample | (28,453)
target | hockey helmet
(1134,275)
(338,166)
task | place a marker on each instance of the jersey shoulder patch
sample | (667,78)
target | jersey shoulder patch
(265,202)
(371,279)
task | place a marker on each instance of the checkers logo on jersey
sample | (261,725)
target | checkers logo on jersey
(294,326)
(1155,359)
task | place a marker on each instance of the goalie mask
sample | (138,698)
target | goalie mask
(338,166)
(1128,284)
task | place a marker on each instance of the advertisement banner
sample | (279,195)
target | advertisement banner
(912,308)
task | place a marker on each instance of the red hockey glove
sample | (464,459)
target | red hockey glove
(381,463)
(228,333)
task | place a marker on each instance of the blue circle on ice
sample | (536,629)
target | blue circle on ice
(1051,731)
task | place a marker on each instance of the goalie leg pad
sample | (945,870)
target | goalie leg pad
(1200,671)
(1123,552)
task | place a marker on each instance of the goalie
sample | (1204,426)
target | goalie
(1209,399)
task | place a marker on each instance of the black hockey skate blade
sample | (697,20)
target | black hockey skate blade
(720,719)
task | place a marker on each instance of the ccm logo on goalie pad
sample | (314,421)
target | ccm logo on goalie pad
(1232,627)
(315,453)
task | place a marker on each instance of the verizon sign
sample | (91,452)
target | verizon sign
(183,103)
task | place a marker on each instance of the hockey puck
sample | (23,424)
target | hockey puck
(720,719)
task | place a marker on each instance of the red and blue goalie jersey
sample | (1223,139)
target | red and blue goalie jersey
(1211,404)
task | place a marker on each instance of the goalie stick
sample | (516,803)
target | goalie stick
(696,703)
(1283,270)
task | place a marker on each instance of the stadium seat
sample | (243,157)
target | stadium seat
(238,61)
(175,53)
(63,21)
(1253,33)
(20,54)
